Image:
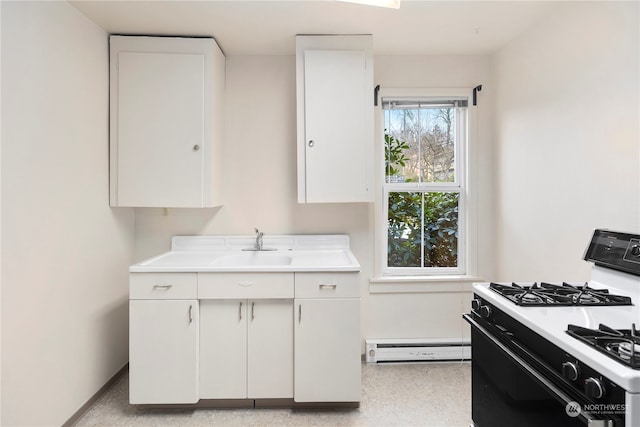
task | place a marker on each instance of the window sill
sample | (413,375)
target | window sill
(422,284)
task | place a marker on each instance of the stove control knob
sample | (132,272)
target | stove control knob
(570,371)
(593,387)
(485,311)
(475,304)
(635,250)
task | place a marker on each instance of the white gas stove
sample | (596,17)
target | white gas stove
(561,353)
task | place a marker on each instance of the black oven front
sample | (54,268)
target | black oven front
(515,381)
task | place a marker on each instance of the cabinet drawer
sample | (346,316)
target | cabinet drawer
(245,285)
(327,285)
(163,286)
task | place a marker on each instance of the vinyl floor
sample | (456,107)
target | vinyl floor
(425,394)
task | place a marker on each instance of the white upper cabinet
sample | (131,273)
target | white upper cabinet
(334,77)
(166,116)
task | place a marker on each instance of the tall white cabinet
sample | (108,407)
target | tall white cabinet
(335,118)
(166,112)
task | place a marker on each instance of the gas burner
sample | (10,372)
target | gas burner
(547,294)
(585,298)
(627,351)
(622,345)
(531,298)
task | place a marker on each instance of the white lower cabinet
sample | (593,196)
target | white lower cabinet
(327,350)
(244,336)
(246,349)
(163,356)
(270,349)
(223,349)
(327,337)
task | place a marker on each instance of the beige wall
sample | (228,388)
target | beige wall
(64,251)
(568,143)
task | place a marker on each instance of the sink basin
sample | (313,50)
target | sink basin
(254,258)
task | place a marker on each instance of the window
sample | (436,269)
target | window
(424,191)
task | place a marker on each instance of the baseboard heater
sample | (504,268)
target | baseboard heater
(417,350)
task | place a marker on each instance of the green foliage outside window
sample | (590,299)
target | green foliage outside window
(394,154)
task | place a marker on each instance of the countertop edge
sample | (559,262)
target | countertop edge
(257,269)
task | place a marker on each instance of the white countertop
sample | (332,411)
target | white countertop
(552,323)
(290,253)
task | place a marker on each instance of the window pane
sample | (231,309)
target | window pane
(420,144)
(441,229)
(423,225)
(404,230)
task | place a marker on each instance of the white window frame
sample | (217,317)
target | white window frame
(463,185)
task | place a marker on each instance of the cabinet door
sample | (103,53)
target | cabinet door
(270,352)
(223,349)
(163,351)
(327,350)
(161,117)
(335,125)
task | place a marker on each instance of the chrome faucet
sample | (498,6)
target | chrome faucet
(258,245)
(259,235)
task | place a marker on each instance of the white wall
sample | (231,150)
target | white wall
(568,143)
(64,251)
(260,140)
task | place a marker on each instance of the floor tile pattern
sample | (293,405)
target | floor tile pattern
(425,394)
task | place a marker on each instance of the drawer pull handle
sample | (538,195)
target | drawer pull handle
(245,283)
(190,314)
(328,286)
(162,286)
(240,311)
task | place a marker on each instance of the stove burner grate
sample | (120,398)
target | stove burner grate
(547,294)
(622,345)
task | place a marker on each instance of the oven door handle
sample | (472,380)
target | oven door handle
(559,394)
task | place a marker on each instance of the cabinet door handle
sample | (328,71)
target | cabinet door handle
(328,286)
(190,314)
(253,304)
(196,147)
(300,313)
(311,143)
(240,310)
(162,286)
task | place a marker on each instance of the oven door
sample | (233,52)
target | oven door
(509,391)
